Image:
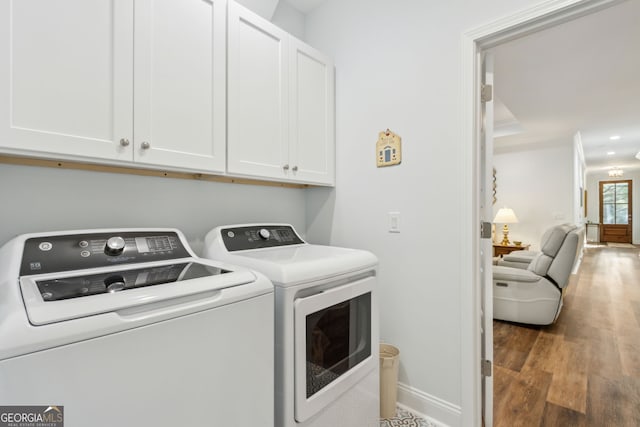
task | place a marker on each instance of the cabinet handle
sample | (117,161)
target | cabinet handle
(295,168)
(124,142)
(285,167)
(145,145)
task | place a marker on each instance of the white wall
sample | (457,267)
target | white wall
(264,8)
(537,182)
(289,19)
(44,199)
(593,197)
(399,66)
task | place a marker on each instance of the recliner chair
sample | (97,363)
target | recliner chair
(522,259)
(533,294)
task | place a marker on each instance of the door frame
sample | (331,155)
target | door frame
(545,15)
(629,224)
(486,252)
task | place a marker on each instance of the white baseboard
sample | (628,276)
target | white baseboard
(430,407)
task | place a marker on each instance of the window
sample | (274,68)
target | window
(615,203)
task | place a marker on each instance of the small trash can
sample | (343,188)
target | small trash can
(389,363)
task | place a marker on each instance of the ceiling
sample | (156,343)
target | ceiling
(580,76)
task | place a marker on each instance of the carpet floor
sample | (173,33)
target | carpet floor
(405,418)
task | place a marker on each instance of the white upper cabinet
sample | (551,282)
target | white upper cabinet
(191,85)
(179,81)
(257,105)
(65,77)
(68,76)
(280,104)
(311,107)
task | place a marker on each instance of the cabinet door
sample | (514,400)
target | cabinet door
(312,106)
(65,77)
(257,133)
(179,81)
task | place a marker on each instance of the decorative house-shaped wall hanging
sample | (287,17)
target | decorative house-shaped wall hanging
(388,149)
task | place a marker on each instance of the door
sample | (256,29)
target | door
(312,140)
(66,79)
(180,87)
(333,347)
(616,211)
(486,245)
(257,115)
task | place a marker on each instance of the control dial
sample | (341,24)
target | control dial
(114,246)
(114,283)
(264,234)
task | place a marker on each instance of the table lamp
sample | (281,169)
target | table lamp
(505,216)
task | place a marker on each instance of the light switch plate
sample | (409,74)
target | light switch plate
(394,222)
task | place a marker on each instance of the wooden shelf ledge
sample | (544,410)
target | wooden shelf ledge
(65,164)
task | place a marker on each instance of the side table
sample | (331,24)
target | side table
(593,228)
(500,250)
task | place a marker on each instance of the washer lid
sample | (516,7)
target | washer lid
(290,265)
(56,297)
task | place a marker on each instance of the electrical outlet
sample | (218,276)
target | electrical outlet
(394,222)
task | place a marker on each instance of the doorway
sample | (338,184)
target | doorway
(616,211)
(476,44)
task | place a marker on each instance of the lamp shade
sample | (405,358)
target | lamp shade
(505,216)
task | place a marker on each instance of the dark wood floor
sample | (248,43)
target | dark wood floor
(584,370)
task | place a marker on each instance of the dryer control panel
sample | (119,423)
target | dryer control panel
(56,253)
(259,236)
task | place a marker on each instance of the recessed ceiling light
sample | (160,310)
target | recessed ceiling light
(614,137)
(610,153)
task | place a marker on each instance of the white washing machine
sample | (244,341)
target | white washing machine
(130,328)
(326,331)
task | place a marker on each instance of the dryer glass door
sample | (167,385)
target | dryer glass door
(333,344)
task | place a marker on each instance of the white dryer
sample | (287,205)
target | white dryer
(130,328)
(326,323)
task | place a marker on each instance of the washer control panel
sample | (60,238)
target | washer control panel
(49,254)
(259,236)
(115,281)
